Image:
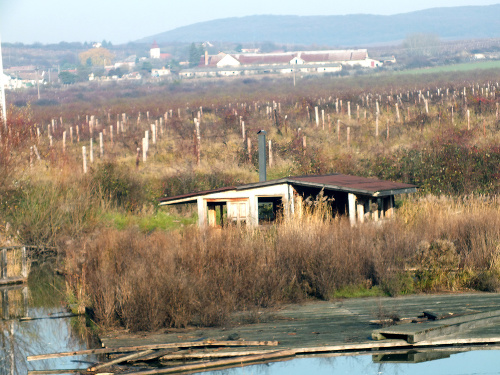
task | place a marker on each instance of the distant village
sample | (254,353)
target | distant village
(245,62)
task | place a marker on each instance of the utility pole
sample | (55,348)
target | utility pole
(2,90)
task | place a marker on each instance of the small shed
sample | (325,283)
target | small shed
(359,198)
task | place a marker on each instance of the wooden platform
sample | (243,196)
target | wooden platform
(335,325)
(452,326)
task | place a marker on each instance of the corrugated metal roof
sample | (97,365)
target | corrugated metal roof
(372,185)
(338,182)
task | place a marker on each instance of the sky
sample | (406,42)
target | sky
(121,21)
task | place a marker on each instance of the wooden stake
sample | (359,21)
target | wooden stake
(304,144)
(198,142)
(249,149)
(84,154)
(36,153)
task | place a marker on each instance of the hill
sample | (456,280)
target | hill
(467,22)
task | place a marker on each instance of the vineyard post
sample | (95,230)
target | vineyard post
(84,155)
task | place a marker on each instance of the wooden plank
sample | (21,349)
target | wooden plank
(124,358)
(459,341)
(414,333)
(357,346)
(158,354)
(224,362)
(211,355)
(128,349)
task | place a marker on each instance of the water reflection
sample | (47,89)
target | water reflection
(477,362)
(34,323)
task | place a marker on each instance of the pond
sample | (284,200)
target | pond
(477,362)
(35,321)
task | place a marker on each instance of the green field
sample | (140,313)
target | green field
(464,67)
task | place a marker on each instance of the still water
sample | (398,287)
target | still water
(484,362)
(33,322)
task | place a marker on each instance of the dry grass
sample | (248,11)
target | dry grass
(194,276)
(160,279)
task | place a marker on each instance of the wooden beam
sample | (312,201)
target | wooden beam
(124,358)
(127,349)
(224,362)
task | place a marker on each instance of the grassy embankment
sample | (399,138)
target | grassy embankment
(146,268)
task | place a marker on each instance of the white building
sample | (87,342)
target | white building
(160,72)
(224,64)
(154,52)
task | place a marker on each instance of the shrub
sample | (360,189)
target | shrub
(114,183)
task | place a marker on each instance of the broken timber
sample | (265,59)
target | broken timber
(128,349)
(414,333)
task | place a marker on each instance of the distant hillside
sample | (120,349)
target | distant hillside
(469,22)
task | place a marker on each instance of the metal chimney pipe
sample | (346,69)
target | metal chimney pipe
(262,155)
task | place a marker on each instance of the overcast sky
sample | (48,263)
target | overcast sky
(121,21)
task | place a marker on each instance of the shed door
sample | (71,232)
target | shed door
(237,211)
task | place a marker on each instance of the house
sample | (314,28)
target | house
(357,197)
